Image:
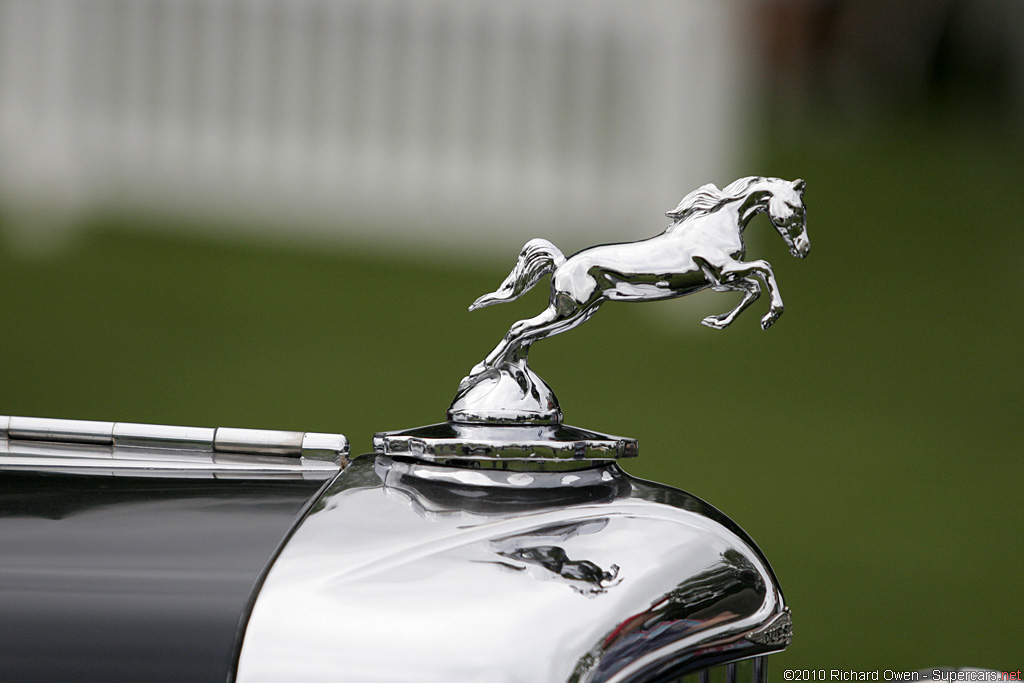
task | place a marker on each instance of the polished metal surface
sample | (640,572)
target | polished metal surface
(332,448)
(411,571)
(258,441)
(163,436)
(68,431)
(702,248)
(143,462)
(510,394)
(454,443)
(44,444)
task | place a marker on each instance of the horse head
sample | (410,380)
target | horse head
(788,214)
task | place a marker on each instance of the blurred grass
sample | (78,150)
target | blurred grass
(870,441)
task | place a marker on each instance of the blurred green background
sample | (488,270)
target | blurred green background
(870,441)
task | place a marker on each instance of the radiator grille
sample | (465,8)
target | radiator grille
(746,671)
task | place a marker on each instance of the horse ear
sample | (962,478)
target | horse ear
(799,184)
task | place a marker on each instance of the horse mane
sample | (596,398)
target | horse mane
(708,198)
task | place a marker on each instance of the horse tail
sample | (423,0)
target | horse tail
(537,258)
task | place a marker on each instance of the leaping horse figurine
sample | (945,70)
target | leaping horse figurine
(702,248)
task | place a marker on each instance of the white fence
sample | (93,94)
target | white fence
(460,123)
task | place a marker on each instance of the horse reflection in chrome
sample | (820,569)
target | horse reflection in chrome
(702,248)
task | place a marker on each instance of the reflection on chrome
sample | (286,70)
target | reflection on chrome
(583,576)
(702,248)
(412,571)
(521,552)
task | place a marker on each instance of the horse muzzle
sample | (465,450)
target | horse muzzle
(801,247)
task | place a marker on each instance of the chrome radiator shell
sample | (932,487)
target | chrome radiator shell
(410,571)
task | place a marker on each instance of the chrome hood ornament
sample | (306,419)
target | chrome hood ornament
(702,248)
(505,411)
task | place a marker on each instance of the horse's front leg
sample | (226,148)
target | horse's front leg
(751,290)
(762,270)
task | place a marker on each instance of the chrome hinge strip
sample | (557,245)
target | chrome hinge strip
(332,448)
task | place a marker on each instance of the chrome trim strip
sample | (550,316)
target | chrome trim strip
(69,431)
(42,456)
(319,446)
(73,465)
(258,441)
(163,436)
(46,443)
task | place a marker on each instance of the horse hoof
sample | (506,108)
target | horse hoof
(714,322)
(469,379)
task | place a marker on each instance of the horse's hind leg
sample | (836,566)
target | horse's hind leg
(514,339)
(523,333)
(751,290)
(560,323)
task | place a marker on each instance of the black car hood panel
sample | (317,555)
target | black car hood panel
(106,578)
